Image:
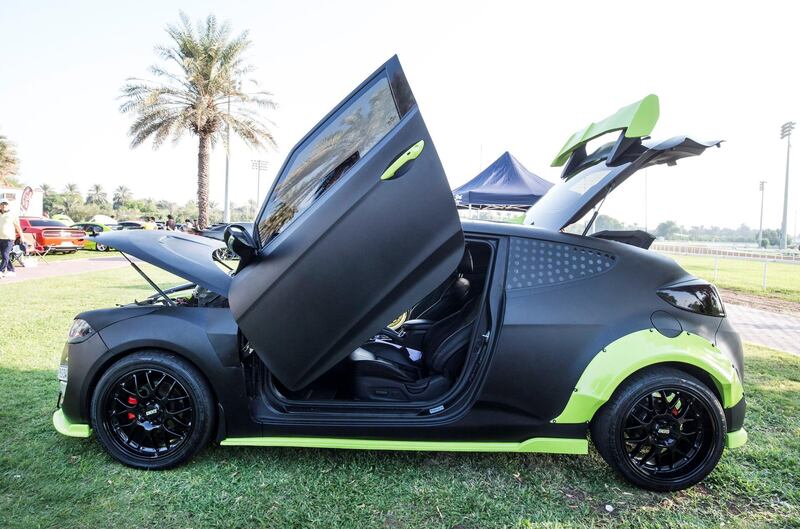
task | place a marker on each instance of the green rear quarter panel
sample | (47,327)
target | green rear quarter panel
(641,349)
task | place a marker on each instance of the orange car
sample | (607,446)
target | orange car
(53,235)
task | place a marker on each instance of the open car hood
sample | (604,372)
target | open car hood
(585,185)
(187,256)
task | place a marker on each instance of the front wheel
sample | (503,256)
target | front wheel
(152,410)
(662,429)
(101,247)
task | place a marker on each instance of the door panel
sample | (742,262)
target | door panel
(343,251)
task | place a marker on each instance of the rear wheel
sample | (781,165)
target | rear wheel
(662,430)
(101,247)
(152,410)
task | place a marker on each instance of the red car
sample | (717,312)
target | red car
(52,234)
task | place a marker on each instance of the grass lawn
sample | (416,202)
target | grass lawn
(783,280)
(51,481)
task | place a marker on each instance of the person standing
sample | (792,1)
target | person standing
(170,223)
(9,231)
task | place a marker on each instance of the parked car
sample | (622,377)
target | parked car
(217,231)
(91,229)
(129,225)
(53,235)
(522,338)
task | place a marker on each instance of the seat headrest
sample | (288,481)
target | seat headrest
(466,266)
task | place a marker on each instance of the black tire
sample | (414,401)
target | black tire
(152,410)
(662,430)
(101,247)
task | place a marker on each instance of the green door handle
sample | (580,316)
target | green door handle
(410,154)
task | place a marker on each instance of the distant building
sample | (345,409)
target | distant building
(25,201)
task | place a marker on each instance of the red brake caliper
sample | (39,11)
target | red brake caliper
(133,402)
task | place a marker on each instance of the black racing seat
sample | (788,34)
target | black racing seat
(384,371)
(449,297)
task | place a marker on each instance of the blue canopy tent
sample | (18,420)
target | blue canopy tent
(505,184)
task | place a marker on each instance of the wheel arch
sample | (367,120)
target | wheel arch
(642,350)
(105,364)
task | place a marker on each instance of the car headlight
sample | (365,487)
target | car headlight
(695,296)
(79,331)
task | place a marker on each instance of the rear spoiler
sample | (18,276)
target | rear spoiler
(635,122)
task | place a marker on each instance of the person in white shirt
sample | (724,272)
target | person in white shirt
(9,231)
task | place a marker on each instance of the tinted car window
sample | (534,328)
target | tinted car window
(565,198)
(327,156)
(47,222)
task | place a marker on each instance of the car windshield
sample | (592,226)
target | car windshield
(47,222)
(561,202)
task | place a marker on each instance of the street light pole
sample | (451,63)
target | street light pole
(259,165)
(226,215)
(761,220)
(786,132)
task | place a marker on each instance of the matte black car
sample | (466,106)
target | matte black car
(520,338)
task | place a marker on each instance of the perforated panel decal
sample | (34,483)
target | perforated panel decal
(535,263)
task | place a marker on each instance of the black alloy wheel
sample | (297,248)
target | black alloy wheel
(662,430)
(149,413)
(152,410)
(667,432)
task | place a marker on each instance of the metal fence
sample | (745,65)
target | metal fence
(792,257)
(763,256)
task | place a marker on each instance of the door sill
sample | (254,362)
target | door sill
(544,445)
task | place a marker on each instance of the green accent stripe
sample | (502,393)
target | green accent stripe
(620,359)
(547,445)
(411,154)
(638,119)
(736,439)
(70,429)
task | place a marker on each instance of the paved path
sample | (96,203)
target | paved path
(775,330)
(63,268)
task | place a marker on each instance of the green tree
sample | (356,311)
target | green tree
(121,196)
(667,229)
(97,196)
(203,75)
(604,222)
(9,163)
(49,198)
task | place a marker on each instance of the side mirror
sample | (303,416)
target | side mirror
(240,242)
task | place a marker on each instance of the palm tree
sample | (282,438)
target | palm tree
(121,195)
(72,189)
(9,163)
(96,195)
(201,93)
(47,189)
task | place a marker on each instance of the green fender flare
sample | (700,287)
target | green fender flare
(641,349)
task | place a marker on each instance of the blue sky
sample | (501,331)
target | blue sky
(489,77)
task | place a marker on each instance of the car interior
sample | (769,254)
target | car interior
(422,358)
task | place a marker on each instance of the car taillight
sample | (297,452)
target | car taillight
(696,296)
